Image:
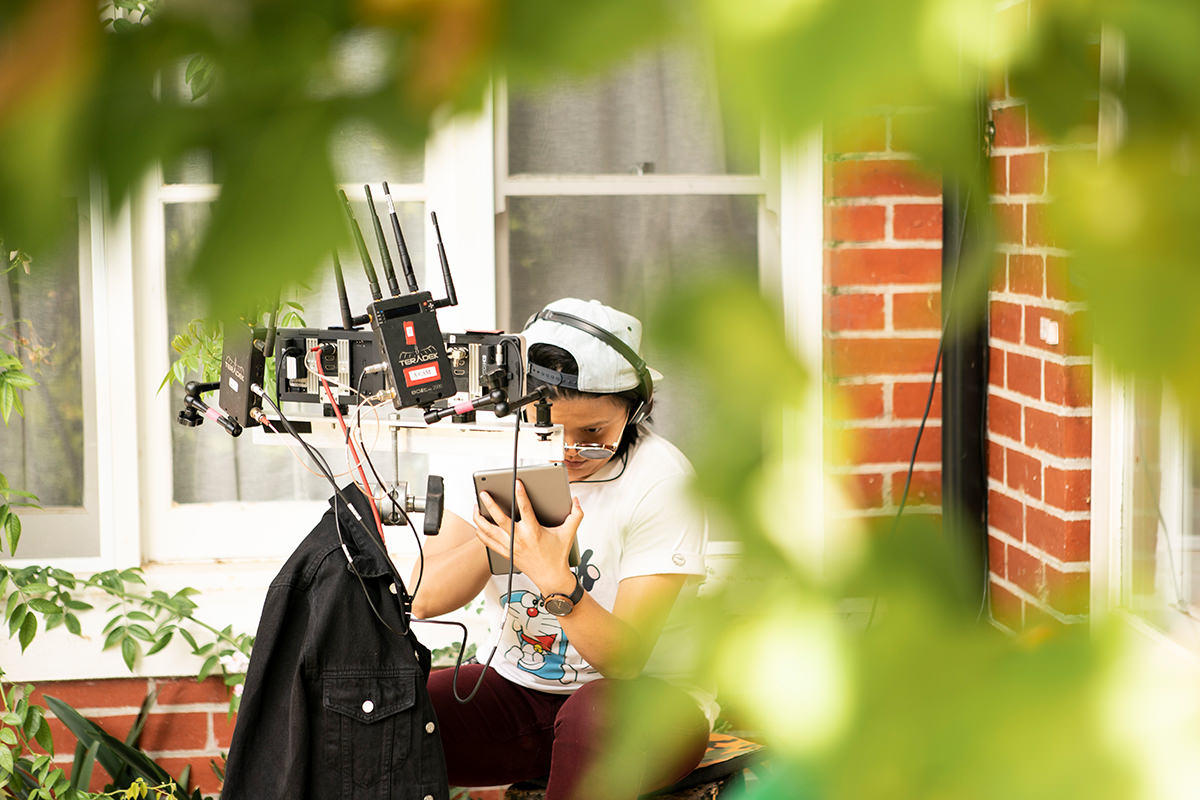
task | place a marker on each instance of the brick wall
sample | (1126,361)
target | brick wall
(883,231)
(1039,393)
(189,725)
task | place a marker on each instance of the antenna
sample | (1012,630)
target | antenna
(386,257)
(368,267)
(405,261)
(343,300)
(451,298)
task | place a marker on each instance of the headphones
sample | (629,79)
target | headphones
(645,387)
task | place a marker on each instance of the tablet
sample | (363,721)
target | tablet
(549,494)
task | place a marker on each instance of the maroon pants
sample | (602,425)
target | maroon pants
(509,733)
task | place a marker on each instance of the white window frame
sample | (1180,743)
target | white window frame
(229,551)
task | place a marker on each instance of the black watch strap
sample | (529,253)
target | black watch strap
(560,604)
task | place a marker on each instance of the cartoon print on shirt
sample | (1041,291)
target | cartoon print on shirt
(542,645)
(588,573)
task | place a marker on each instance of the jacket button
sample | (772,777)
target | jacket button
(429,727)
(368,706)
(427,797)
(392,588)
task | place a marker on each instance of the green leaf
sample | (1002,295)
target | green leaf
(7,396)
(78,605)
(73,624)
(191,640)
(45,738)
(6,760)
(13,600)
(129,651)
(44,606)
(162,642)
(17,619)
(13,527)
(141,632)
(8,736)
(28,631)
(115,635)
(10,718)
(206,669)
(142,615)
(37,587)
(53,621)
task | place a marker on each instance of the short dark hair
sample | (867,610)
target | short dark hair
(554,357)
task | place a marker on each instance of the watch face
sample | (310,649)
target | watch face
(558,605)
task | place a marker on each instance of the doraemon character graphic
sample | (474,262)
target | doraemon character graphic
(541,644)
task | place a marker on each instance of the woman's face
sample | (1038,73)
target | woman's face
(588,420)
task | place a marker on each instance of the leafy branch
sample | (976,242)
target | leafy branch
(27,770)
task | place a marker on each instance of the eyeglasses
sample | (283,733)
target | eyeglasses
(593,451)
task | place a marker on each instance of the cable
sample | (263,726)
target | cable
(338,412)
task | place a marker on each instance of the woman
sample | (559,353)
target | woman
(547,704)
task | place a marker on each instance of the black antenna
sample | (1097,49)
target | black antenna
(405,261)
(388,272)
(451,298)
(269,346)
(368,267)
(343,300)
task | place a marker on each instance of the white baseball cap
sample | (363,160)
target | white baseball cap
(602,368)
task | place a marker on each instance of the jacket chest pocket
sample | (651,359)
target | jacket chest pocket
(370,728)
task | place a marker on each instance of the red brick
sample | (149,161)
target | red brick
(895,445)
(1006,514)
(1038,230)
(917,221)
(881,356)
(881,177)
(857,401)
(1010,126)
(866,491)
(177,731)
(999,166)
(998,281)
(64,741)
(84,695)
(1068,437)
(1010,222)
(1069,489)
(1033,328)
(995,457)
(855,223)
(996,555)
(1025,274)
(909,399)
(1024,375)
(1027,572)
(1006,607)
(223,726)
(1067,540)
(995,366)
(1024,473)
(201,777)
(854,312)
(1005,321)
(868,266)
(918,311)
(924,489)
(182,691)
(865,134)
(1027,173)
(1068,385)
(1004,417)
(1068,591)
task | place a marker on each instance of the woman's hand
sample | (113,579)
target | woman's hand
(541,553)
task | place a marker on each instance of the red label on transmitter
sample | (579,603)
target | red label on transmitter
(422,373)
(410,332)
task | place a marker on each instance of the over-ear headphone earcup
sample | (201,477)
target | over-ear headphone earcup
(641,412)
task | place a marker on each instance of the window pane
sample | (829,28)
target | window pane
(42,451)
(622,251)
(658,113)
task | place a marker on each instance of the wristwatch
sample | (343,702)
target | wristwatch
(560,604)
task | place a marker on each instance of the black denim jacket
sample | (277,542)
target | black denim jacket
(335,704)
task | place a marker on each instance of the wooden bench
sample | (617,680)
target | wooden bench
(723,768)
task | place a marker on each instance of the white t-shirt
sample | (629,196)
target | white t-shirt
(638,519)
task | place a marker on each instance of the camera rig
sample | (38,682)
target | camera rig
(395,352)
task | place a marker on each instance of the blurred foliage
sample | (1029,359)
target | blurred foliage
(926,702)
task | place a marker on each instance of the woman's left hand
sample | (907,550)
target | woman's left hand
(539,552)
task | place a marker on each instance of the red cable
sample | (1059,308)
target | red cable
(350,440)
